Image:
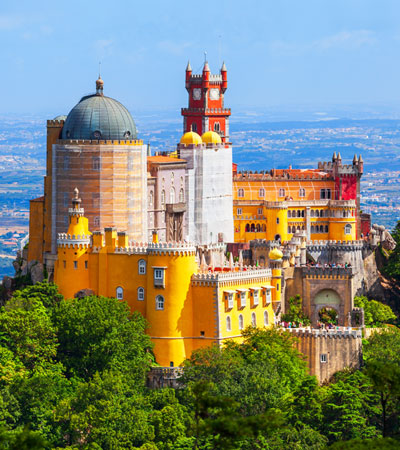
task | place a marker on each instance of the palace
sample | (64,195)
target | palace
(154,229)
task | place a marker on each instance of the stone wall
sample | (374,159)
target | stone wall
(328,352)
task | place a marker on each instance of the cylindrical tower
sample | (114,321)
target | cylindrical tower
(169,308)
(71,272)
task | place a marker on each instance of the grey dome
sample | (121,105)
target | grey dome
(97,117)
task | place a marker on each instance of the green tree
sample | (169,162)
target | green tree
(98,333)
(295,312)
(376,314)
(47,293)
(27,331)
(108,411)
(367,444)
(392,266)
(382,357)
(349,407)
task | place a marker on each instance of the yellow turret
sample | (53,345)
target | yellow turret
(71,269)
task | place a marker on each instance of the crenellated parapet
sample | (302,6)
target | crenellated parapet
(342,333)
(74,241)
(328,272)
(246,275)
(171,248)
(99,142)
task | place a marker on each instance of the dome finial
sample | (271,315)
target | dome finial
(76,201)
(99,83)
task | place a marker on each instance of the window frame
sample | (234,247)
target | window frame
(142,267)
(119,293)
(160,306)
(140,294)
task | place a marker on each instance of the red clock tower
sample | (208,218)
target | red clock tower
(206,102)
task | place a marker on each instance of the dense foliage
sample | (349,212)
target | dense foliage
(295,313)
(376,314)
(73,376)
(392,265)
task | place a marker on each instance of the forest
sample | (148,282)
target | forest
(73,376)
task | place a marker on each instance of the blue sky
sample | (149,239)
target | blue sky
(279,53)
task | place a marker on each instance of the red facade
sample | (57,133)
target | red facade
(206,109)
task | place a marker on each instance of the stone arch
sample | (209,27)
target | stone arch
(325,298)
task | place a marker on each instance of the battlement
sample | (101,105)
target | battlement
(174,248)
(209,111)
(72,240)
(328,272)
(334,333)
(54,122)
(246,274)
(339,245)
(99,142)
(274,175)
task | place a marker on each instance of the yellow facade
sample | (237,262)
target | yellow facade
(186,306)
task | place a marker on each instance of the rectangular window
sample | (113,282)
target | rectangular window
(239,211)
(277,220)
(75,264)
(230,300)
(328,193)
(324,358)
(268,296)
(86,264)
(255,297)
(96,163)
(65,264)
(243,299)
(259,211)
(159,277)
(322,194)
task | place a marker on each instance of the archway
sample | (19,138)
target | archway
(278,237)
(328,315)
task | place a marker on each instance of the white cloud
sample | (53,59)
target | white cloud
(174,48)
(104,47)
(10,22)
(348,40)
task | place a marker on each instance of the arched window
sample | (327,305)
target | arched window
(228,324)
(347,229)
(163,197)
(298,228)
(302,213)
(240,192)
(261,192)
(316,213)
(281,192)
(302,192)
(140,293)
(216,127)
(258,228)
(289,229)
(293,229)
(142,267)
(298,213)
(172,195)
(326,229)
(97,221)
(151,198)
(264,228)
(247,227)
(253,228)
(266,319)
(289,213)
(312,213)
(120,293)
(321,213)
(241,323)
(194,127)
(181,196)
(253,319)
(160,302)
(312,229)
